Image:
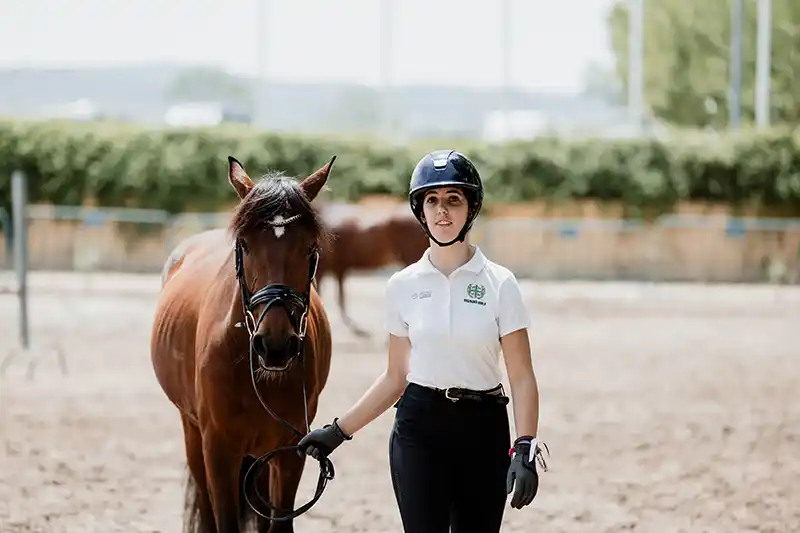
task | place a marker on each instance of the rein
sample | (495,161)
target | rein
(291,300)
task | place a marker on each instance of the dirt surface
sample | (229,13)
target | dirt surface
(666,409)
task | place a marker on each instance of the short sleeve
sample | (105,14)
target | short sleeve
(513,313)
(393,320)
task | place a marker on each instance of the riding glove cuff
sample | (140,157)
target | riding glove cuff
(321,442)
(522,477)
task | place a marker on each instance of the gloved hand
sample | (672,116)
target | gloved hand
(321,442)
(522,471)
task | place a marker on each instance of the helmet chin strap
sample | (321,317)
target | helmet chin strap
(459,238)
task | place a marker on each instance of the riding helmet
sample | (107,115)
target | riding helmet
(441,168)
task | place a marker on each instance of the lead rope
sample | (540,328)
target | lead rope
(327,472)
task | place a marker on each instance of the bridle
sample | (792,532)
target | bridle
(296,304)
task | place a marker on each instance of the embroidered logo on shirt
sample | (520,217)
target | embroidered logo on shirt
(476,293)
(421,295)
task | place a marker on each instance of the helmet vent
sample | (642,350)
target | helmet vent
(440,162)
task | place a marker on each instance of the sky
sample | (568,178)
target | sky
(456,42)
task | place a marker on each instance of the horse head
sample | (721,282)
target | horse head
(277,235)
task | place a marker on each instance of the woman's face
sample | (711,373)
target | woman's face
(445,210)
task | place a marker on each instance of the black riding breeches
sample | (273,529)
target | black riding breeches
(448,463)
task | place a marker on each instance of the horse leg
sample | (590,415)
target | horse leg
(223,469)
(259,493)
(285,474)
(358,332)
(200,517)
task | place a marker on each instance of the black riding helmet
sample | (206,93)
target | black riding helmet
(441,168)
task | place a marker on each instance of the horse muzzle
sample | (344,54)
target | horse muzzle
(276,354)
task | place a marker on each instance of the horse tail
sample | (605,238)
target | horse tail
(191,517)
(192,522)
(191,510)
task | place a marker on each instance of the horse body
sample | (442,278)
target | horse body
(200,358)
(363,244)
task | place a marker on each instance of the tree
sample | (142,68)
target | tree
(686,59)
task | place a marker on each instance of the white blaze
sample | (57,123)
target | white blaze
(279,230)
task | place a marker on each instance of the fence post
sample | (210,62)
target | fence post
(19,199)
(8,239)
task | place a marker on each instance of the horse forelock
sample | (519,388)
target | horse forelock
(276,201)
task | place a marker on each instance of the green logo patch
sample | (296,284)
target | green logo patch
(475,291)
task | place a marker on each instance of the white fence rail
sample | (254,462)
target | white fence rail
(673,248)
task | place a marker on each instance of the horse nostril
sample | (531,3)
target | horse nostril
(292,345)
(259,345)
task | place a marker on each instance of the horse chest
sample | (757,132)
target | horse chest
(235,405)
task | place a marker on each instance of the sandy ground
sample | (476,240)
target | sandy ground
(666,409)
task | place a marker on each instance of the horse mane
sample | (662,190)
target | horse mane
(276,195)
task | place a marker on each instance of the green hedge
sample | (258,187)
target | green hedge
(173,169)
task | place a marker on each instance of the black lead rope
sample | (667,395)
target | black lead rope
(326,470)
(272,295)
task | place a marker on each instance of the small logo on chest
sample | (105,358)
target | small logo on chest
(475,294)
(421,295)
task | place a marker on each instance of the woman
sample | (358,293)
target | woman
(449,316)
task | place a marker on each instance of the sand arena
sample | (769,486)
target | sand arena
(666,409)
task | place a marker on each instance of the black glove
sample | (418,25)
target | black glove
(321,442)
(522,472)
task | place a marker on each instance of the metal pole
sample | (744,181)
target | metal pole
(8,236)
(385,23)
(735,98)
(19,199)
(506,29)
(262,36)
(763,62)
(636,62)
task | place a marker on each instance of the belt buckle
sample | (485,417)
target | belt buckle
(447,395)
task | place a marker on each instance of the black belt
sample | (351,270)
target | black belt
(455,394)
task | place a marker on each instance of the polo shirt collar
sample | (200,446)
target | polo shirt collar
(474,265)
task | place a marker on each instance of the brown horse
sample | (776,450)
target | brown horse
(362,244)
(226,295)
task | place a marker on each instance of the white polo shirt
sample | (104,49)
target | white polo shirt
(455,323)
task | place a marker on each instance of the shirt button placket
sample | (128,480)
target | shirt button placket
(448,302)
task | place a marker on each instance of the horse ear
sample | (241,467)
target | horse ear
(238,177)
(313,184)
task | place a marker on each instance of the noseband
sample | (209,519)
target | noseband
(297,306)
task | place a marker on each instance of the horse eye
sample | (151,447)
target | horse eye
(245,248)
